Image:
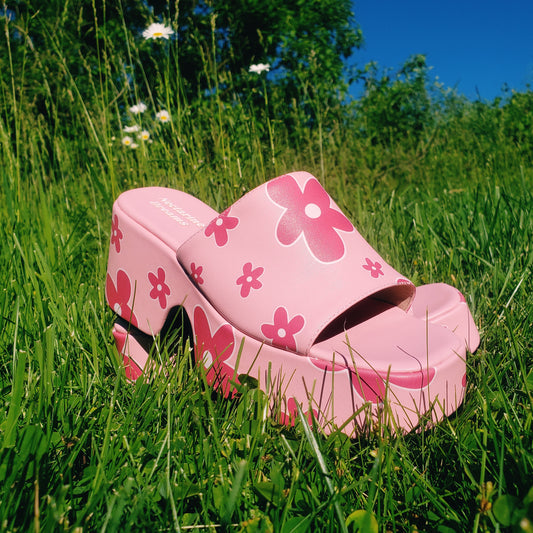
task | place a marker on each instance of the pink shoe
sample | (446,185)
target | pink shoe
(282,287)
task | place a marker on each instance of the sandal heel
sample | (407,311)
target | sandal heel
(144,279)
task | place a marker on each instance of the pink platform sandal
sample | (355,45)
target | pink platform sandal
(282,287)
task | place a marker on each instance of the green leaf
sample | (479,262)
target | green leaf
(219,493)
(248,381)
(363,522)
(187,489)
(233,497)
(270,491)
(504,508)
(164,489)
(296,524)
(33,443)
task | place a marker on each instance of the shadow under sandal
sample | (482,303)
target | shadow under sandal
(282,287)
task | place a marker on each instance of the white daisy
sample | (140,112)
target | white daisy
(138,108)
(260,67)
(128,141)
(163,116)
(144,135)
(131,129)
(157,31)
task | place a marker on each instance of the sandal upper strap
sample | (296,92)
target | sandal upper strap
(284,262)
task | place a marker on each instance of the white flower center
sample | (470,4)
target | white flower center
(159,287)
(249,279)
(219,222)
(312,211)
(281,333)
(117,309)
(207,359)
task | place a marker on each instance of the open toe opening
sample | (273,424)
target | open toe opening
(366,309)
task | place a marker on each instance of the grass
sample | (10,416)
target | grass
(82,449)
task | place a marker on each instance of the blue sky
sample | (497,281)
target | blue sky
(475,46)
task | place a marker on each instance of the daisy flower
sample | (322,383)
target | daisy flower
(163,116)
(157,31)
(131,129)
(138,108)
(144,135)
(260,67)
(128,141)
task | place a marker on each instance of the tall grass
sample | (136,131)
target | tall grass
(82,449)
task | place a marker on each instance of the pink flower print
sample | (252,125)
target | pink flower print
(289,418)
(373,268)
(212,350)
(283,330)
(159,288)
(220,226)
(196,272)
(116,234)
(372,385)
(249,279)
(119,296)
(131,368)
(309,213)
(369,385)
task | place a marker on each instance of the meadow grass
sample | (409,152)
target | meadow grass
(83,449)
